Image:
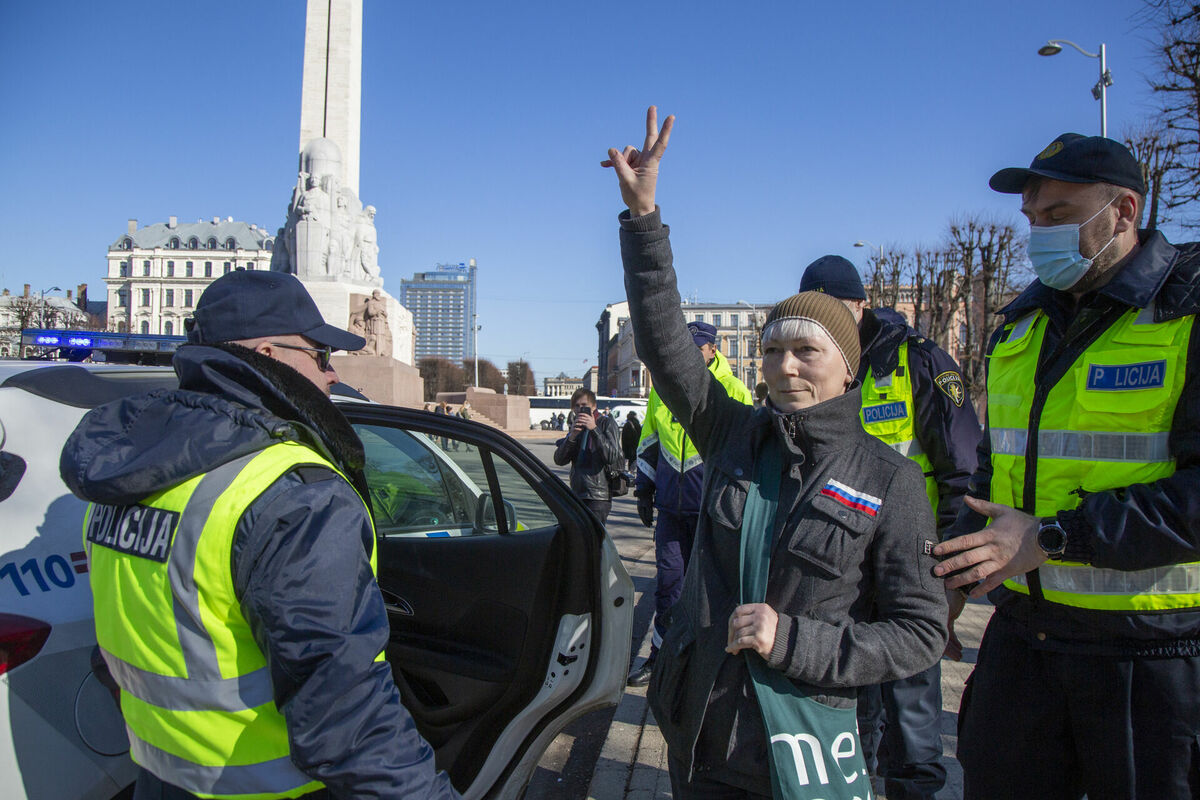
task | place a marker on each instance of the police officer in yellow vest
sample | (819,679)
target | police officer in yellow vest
(1088,678)
(913,398)
(670,478)
(232,560)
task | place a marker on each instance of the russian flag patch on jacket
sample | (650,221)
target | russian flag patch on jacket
(852,498)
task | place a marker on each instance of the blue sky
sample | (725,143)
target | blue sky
(802,127)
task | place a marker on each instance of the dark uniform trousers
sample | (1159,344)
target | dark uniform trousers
(673,537)
(910,741)
(1114,728)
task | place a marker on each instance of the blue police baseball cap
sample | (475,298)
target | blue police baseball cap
(1076,158)
(702,333)
(248,304)
(834,276)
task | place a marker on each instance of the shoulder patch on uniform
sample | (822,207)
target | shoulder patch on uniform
(312,473)
(951,383)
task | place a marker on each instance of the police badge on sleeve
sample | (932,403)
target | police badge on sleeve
(951,383)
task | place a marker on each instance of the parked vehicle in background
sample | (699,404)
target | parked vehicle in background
(541,409)
(511,613)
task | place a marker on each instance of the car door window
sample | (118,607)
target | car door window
(427,484)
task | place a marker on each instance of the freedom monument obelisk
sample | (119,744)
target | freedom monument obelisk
(329,240)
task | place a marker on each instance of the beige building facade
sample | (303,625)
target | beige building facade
(156,273)
(737,324)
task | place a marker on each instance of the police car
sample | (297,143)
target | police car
(511,613)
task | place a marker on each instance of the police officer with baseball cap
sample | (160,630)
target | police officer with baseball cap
(232,559)
(913,399)
(1088,677)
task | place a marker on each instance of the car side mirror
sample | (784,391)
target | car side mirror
(485,515)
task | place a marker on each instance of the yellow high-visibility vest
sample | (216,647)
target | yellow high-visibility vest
(888,414)
(196,694)
(1104,425)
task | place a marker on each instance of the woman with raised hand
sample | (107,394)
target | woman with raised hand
(811,572)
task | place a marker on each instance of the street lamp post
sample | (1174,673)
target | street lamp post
(475,332)
(42,315)
(1100,90)
(878,256)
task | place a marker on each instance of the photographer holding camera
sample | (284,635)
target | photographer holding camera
(593,451)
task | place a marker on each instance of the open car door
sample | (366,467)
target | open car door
(510,611)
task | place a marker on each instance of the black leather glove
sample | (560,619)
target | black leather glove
(646,509)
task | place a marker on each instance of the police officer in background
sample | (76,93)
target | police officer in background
(670,477)
(913,398)
(232,559)
(1088,677)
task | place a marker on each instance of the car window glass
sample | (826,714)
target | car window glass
(432,485)
(413,490)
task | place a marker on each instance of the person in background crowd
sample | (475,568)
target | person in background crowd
(803,585)
(914,400)
(248,641)
(592,450)
(631,432)
(1088,677)
(669,478)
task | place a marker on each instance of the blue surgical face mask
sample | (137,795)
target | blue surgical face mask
(1054,252)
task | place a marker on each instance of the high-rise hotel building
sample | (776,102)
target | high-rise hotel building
(442,302)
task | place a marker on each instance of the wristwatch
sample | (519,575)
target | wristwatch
(1052,538)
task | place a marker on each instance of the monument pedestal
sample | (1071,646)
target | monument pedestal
(381,379)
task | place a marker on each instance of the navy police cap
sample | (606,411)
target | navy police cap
(248,304)
(702,333)
(835,276)
(1075,158)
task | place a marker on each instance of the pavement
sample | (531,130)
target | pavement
(620,754)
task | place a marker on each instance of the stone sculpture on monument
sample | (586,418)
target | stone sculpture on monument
(328,236)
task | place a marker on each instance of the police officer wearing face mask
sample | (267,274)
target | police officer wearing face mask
(1088,678)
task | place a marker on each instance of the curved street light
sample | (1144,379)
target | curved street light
(1100,90)
(42,316)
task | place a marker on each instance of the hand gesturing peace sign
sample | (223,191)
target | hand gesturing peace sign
(637,170)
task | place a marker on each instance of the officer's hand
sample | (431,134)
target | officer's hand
(1005,548)
(752,626)
(646,510)
(637,170)
(956,600)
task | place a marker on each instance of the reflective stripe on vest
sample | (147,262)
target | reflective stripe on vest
(1174,586)
(195,690)
(1104,425)
(888,414)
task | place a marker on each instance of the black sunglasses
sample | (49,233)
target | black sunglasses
(322,354)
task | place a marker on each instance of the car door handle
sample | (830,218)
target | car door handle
(394,602)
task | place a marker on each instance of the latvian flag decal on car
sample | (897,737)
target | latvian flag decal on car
(852,498)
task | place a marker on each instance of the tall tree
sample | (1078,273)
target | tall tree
(520,378)
(1177,85)
(490,377)
(989,258)
(440,375)
(1155,150)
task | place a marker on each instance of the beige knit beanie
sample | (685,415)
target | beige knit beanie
(826,311)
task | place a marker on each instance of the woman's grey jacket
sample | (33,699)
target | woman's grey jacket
(857,601)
